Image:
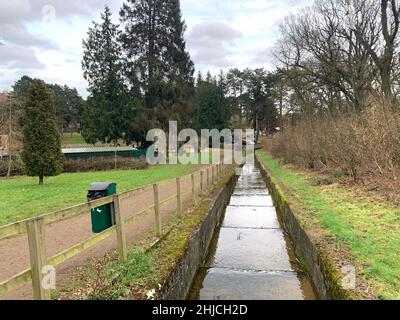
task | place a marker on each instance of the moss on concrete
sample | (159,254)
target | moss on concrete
(331,274)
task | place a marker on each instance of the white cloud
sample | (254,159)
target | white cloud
(12,57)
(257,21)
(221,34)
(212,44)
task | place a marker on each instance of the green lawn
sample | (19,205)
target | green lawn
(75,139)
(370,229)
(22,197)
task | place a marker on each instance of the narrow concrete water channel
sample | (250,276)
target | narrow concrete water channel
(251,258)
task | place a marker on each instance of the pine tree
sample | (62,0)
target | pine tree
(153,39)
(199,78)
(178,103)
(109,112)
(209,77)
(180,66)
(144,39)
(41,154)
(211,109)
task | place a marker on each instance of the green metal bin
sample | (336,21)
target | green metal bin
(103,217)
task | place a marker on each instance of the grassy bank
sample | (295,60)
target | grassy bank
(369,228)
(22,197)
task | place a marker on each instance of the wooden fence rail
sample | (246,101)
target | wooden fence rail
(35,228)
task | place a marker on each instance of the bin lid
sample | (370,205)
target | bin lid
(100,186)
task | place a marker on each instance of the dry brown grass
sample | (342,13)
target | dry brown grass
(364,146)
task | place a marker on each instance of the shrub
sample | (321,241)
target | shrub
(103,164)
(364,145)
(81,165)
(17,168)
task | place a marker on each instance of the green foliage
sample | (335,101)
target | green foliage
(42,154)
(21,88)
(69,106)
(249,94)
(103,164)
(68,103)
(139,269)
(109,112)
(211,109)
(157,60)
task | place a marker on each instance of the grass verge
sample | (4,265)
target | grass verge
(23,198)
(369,228)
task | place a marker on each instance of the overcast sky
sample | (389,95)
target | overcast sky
(43,38)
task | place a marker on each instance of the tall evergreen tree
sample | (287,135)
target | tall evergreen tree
(199,78)
(109,113)
(41,154)
(21,88)
(157,57)
(68,103)
(69,106)
(211,109)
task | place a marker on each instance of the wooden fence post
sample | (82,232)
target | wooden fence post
(208,177)
(121,235)
(212,175)
(178,196)
(193,191)
(37,253)
(157,210)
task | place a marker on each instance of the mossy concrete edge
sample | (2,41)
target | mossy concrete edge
(180,280)
(324,274)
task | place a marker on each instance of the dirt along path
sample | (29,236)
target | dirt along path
(62,235)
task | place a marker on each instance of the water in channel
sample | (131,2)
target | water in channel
(251,258)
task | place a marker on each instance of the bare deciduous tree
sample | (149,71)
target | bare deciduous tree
(10,127)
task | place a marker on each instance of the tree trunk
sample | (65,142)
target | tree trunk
(240,118)
(9,165)
(257,129)
(9,155)
(281,109)
(115,154)
(9,142)
(386,83)
(41,181)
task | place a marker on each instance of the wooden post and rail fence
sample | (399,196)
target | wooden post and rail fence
(35,229)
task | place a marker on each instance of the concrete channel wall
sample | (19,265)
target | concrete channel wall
(179,284)
(322,271)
